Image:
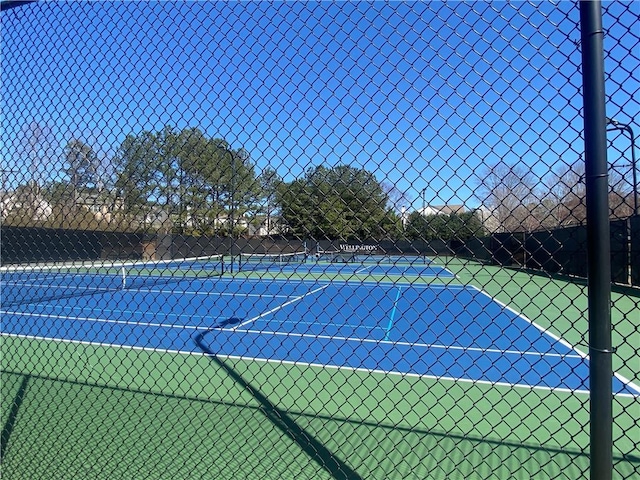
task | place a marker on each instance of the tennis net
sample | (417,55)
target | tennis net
(265,261)
(342,256)
(335,256)
(31,284)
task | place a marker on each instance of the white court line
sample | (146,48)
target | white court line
(408,344)
(448,271)
(326,367)
(297,335)
(351,281)
(107,320)
(363,269)
(109,311)
(559,339)
(44,286)
(201,292)
(217,280)
(279,307)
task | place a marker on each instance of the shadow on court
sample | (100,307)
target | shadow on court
(10,423)
(281,420)
(70,396)
(227,322)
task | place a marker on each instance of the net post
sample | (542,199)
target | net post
(598,242)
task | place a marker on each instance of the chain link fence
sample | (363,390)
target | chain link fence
(311,240)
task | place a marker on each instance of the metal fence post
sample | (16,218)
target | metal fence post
(598,242)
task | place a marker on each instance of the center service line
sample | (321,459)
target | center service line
(393,314)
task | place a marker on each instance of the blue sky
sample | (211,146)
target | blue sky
(421,94)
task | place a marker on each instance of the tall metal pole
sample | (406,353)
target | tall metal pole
(598,242)
(616,125)
(634,166)
(232,194)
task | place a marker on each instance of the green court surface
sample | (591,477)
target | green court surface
(71,410)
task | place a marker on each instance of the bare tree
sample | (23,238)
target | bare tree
(37,146)
(568,191)
(396,198)
(507,191)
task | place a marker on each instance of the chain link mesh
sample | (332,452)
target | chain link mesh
(309,240)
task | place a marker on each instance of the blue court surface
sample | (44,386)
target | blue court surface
(451,332)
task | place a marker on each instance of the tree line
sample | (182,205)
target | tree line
(185,182)
(204,186)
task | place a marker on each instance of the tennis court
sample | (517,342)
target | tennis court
(319,240)
(424,329)
(233,351)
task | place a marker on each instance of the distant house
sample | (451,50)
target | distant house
(26,201)
(489,219)
(265,226)
(442,209)
(255,227)
(101,204)
(7,203)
